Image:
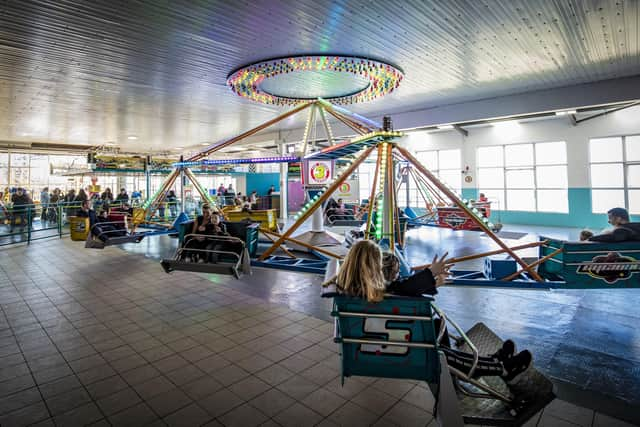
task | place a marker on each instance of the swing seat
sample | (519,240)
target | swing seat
(397,338)
(226,262)
(591,265)
(99,239)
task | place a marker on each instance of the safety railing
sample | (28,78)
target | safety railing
(26,223)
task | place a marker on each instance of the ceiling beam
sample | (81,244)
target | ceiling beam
(462,131)
(604,113)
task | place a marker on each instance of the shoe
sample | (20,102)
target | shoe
(506,352)
(516,365)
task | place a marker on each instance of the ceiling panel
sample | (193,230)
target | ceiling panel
(98,71)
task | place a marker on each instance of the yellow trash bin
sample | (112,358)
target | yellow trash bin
(79,227)
(138,216)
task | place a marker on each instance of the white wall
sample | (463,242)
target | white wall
(624,122)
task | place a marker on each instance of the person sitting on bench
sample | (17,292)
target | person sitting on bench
(362,274)
(623,229)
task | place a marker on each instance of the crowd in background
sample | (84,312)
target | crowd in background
(18,207)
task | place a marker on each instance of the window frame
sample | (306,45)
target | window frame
(533,168)
(625,172)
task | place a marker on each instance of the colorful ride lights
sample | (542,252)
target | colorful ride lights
(383,78)
(279,159)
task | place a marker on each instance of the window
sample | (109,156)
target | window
(366,171)
(445,164)
(614,166)
(525,177)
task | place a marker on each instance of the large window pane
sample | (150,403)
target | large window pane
(19,177)
(551,176)
(553,201)
(634,202)
(428,159)
(491,178)
(603,200)
(633,176)
(496,197)
(521,200)
(605,150)
(490,156)
(520,178)
(4,170)
(632,148)
(551,153)
(449,159)
(607,175)
(19,159)
(451,177)
(518,155)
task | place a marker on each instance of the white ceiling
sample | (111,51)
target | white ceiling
(96,72)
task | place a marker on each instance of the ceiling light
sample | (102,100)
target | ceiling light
(132,137)
(205,144)
(445,127)
(571,112)
(178,148)
(561,113)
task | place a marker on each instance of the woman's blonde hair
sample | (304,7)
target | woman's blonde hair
(360,274)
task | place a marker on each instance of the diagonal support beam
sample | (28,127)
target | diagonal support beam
(220,145)
(332,188)
(327,127)
(191,177)
(464,208)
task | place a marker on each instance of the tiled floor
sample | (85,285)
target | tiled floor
(107,338)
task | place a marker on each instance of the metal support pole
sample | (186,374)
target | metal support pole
(284,191)
(387,196)
(147,177)
(181,187)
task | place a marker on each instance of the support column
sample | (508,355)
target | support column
(284,186)
(147,177)
(181,186)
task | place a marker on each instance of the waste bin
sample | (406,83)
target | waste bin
(79,227)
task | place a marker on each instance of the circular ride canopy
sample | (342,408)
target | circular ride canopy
(292,80)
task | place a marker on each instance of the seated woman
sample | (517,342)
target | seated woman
(362,274)
(219,229)
(203,227)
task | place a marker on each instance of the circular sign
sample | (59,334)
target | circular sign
(320,172)
(344,187)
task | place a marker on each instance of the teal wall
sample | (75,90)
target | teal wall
(261,182)
(579,212)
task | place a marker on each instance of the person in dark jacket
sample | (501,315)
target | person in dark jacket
(123,197)
(172,201)
(20,210)
(623,229)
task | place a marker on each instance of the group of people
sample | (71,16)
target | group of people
(200,246)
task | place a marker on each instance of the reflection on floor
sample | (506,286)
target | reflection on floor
(160,341)
(104,336)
